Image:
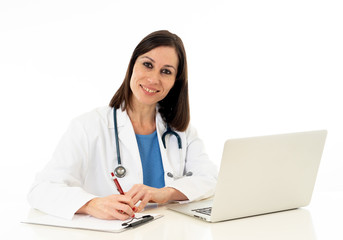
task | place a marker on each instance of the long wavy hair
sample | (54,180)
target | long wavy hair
(174,108)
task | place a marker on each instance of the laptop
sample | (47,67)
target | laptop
(260,175)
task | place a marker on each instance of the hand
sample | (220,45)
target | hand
(110,207)
(149,194)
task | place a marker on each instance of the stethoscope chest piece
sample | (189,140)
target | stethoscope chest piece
(120,171)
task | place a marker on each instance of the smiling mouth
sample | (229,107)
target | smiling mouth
(149,90)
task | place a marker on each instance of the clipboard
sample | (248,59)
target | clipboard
(80,221)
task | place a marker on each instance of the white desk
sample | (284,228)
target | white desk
(321,220)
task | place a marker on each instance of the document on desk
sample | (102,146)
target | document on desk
(81,221)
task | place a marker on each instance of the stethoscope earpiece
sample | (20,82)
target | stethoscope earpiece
(169,174)
(188,174)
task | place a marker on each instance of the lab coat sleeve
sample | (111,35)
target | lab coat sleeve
(204,172)
(57,189)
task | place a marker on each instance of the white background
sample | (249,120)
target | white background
(255,68)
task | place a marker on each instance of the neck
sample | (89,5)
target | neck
(143,119)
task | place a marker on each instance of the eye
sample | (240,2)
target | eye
(166,71)
(147,64)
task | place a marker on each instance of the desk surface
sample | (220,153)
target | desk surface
(322,219)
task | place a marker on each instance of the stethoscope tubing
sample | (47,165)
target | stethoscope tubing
(120,170)
(116,135)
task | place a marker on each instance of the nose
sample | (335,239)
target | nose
(153,77)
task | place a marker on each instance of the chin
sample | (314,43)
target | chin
(148,102)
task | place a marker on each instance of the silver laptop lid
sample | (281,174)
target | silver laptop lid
(267,174)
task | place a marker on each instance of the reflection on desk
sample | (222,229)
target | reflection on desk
(293,224)
(321,220)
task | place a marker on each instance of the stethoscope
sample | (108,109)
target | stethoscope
(120,170)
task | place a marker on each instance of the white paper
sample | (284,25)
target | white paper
(80,221)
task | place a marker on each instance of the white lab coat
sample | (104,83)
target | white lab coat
(81,166)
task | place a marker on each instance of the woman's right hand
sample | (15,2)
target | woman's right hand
(111,207)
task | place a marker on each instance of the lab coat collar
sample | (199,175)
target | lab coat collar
(123,119)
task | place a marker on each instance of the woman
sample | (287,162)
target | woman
(152,98)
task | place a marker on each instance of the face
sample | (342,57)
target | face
(153,75)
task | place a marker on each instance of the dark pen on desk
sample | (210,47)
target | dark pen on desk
(139,221)
(120,190)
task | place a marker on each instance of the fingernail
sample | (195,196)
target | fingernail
(134,209)
(133,216)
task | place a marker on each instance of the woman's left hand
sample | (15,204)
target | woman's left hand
(157,195)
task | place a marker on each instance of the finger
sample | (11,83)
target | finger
(126,209)
(134,190)
(111,207)
(127,200)
(147,197)
(118,210)
(119,214)
(136,193)
(138,197)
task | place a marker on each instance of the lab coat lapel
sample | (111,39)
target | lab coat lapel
(127,140)
(126,134)
(161,128)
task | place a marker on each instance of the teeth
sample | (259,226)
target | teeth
(148,90)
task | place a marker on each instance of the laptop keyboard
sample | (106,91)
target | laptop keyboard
(206,211)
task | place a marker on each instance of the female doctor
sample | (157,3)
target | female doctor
(143,137)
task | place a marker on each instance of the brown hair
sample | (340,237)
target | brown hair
(174,108)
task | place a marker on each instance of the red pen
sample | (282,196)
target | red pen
(120,190)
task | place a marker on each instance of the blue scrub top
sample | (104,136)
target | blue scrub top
(149,150)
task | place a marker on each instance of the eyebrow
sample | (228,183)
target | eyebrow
(167,65)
